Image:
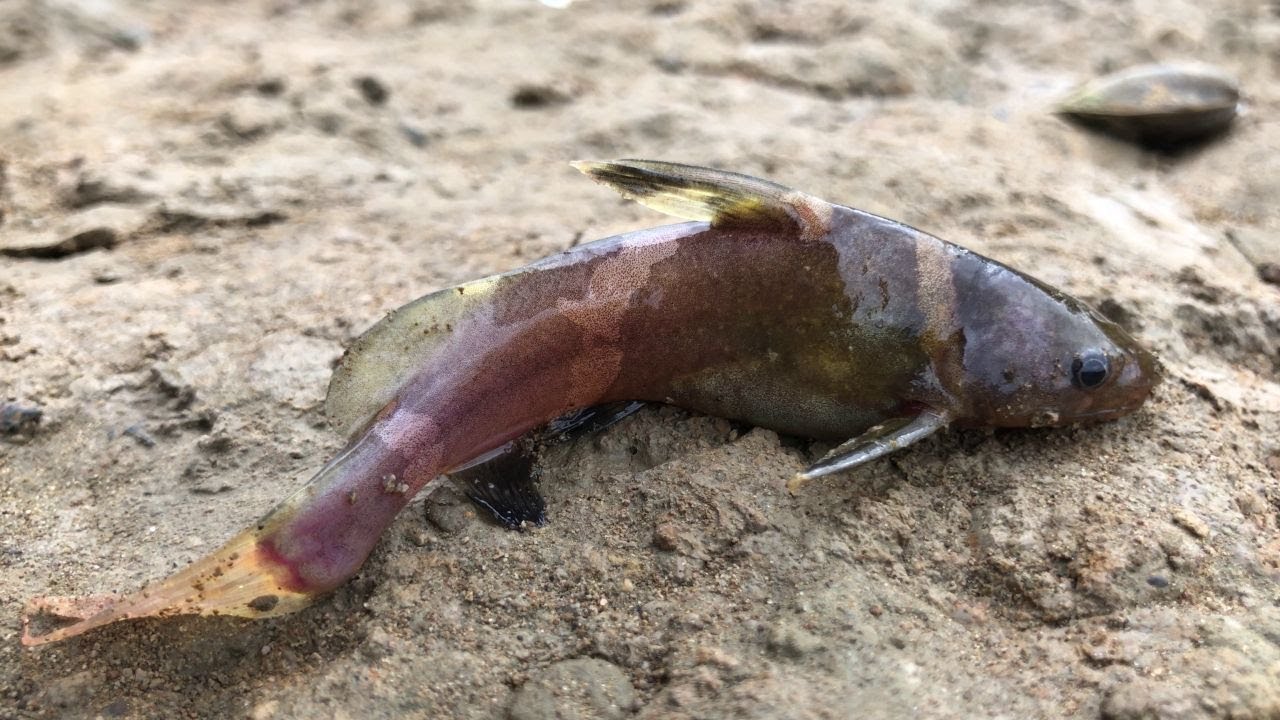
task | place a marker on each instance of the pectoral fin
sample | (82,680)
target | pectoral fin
(880,440)
(721,198)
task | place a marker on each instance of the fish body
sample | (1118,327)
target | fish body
(768,306)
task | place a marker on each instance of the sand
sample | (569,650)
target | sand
(234,191)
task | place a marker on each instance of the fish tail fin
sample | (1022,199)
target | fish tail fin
(310,543)
(239,579)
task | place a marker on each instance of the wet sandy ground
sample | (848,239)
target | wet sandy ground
(239,189)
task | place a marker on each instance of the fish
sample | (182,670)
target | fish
(766,305)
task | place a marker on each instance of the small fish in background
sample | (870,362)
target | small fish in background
(1160,106)
(767,306)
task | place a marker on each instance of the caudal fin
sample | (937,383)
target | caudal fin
(239,579)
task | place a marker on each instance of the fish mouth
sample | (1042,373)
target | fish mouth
(1137,396)
(1132,396)
(1111,413)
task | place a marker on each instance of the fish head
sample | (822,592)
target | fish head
(1035,357)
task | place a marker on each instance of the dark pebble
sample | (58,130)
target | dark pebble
(271,87)
(17,418)
(372,90)
(666,537)
(416,137)
(264,603)
(533,97)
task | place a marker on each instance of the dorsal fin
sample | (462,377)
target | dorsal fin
(722,198)
(382,360)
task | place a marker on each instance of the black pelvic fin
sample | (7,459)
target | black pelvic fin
(504,482)
(506,486)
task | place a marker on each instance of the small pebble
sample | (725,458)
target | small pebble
(666,537)
(18,418)
(534,97)
(270,87)
(414,135)
(372,90)
(1188,521)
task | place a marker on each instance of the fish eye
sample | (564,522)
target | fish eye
(1090,369)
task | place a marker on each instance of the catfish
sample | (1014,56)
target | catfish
(767,306)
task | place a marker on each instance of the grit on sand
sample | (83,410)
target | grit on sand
(234,191)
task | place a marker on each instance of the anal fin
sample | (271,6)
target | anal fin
(505,485)
(504,482)
(887,437)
